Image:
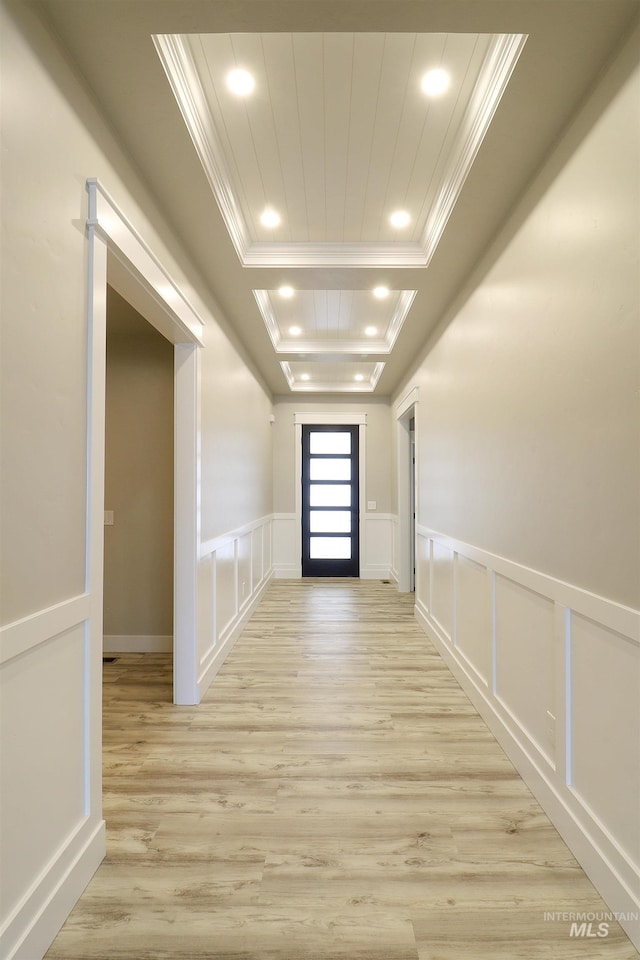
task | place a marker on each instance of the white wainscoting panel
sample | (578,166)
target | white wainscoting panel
(244,570)
(473,616)
(423,572)
(257,556)
(442,608)
(287,563)
(225,586)
(267,553)
(376,544)
(53,840)
(207,612)
(605,724)
(34,819)
(524,629)
(395,546)
(233,572)
(555,672)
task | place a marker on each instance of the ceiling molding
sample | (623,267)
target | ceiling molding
(319,386)
(334,255)
(341,347)
(182,74)
(499,63)
(497,68)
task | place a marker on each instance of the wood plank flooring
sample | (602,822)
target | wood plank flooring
(335,797)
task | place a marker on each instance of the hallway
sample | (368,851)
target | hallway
(334,796)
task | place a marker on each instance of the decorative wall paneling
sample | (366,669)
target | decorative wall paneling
(55,837)
(395,549)
(555,672)
(376,544)
(233,572)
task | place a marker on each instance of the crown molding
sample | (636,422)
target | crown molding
(347,386)
(499,63)
(175,56)
(334,255)
(343,348)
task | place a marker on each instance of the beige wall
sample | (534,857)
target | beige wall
(529,414)
(53,139)
(138,548)
(236,442)
(378,440)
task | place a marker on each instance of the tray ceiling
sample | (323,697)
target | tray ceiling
(335,151)
(336,135)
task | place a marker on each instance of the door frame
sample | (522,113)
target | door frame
(408,490)
(330,419)
(119,254)
(341,567)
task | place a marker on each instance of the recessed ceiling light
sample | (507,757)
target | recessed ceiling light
(370,331)
(286,292)
(295,331)
(240,82)
(269,218)
(380,293)
(435,82)
(399,219)
(358,377)
(304,376)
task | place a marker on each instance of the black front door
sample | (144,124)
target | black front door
(330,508)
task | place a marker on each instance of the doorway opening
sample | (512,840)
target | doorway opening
(119,257)
(139,497)
(330,501)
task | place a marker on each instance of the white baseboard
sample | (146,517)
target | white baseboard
(31,929)
(287,571)
(133,643)
(373,572)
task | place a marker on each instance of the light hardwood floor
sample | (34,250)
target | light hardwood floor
(335,797)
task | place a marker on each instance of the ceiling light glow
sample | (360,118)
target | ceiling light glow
(240,82)
(370,331)
(304,376)
(295,331)
(399,219)
(270,218)
(435,82)
(380,293)
(286,292)
(358,377)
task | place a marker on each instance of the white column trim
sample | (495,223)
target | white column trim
(406,408)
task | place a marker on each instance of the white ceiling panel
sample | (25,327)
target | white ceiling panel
(331,376)
(337,135)
(338,321)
